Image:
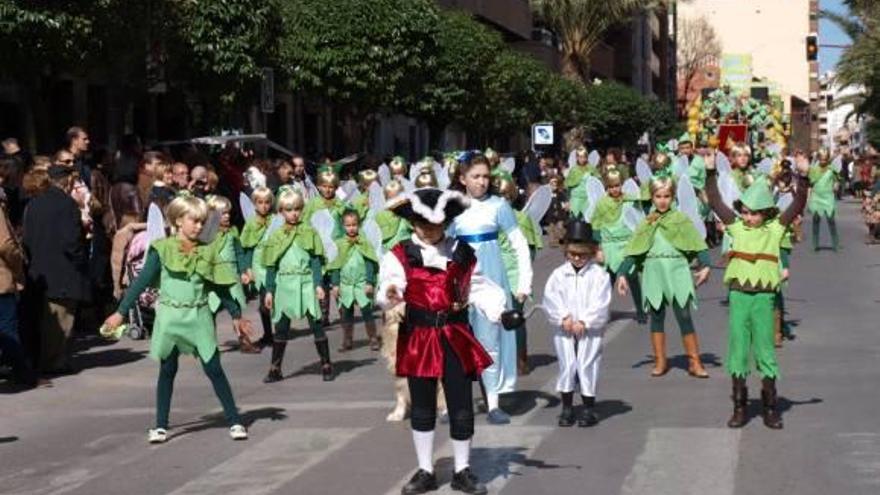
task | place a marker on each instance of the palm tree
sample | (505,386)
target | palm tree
(580,24)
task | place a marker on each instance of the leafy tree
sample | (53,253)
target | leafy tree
(617,115)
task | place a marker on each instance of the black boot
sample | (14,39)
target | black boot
(772,419)
(421,482)
(465,481)
(588,416)
(323,347)
(566,418)
(740,402)
(274,374)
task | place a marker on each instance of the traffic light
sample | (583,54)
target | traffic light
(812,48)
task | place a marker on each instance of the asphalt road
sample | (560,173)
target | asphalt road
(87,435)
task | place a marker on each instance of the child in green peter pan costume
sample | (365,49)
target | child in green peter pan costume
(662,248)
(361,203)
(183,270)
(824,181)
(293,257)
(611,231)
(753,277)
(575,183)
(394,228)
(252,235)
(505,186)
(353,278)
(229,263)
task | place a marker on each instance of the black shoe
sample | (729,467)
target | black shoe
(273,376)
(327,373)
(465,481)
(566,418)
(641,319)
(587,418)
(421,482)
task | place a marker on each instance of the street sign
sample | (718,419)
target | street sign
(543,136)
(267,91)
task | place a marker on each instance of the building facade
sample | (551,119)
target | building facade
(839,128)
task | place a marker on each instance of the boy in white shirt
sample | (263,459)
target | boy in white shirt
(577,299)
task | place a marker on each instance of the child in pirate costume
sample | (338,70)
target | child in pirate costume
(182,268)
(327,182)
(438,278)
(577,298)
(609,227)
(394,228)
(574,182)
(353,278)
(229,264)
(662,248)
(753,276)
(251,236)
(293,257)
(824,182)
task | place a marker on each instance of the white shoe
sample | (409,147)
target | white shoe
(157,435)
(238,432)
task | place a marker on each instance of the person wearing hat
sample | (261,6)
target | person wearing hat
(753,276)
(577,298)
(438,278)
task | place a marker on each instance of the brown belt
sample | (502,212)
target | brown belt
(752,258)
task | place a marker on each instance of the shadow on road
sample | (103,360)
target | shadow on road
(495,463)
(217,420)
(8,439)
(340,367)
(540,360)
(105,359)
(522,401)
(681,361)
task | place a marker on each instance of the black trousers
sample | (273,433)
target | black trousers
(459,398)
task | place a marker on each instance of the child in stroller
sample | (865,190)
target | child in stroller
(141,316)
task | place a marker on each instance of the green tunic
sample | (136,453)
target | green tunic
(226,269)
(532,233)
(822,201)
(361,204)
(252,236)
(289,251)
(336,206)
(394,229)
(766,240)
(577,188)
(615,236)
(352,270)
(697,172)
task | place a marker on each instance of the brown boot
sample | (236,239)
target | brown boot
(370,326)
(658,342)
(347,337)
(740,403)
(245,346)
(522,362)
(777,328)
(771,416)
(692,349)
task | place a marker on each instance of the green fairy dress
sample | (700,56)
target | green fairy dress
(336,207)
(532,233)
(183,318)
(361,204)
(663,244)
(226,268)
(822,181)
(251,241)
(577,188)
(394,229)
(354,267)
(608,221)
(294,253)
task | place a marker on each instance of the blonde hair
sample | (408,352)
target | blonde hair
(493,157)
(290,199)
(661,183)
(613,178)
(823,156)
(425,179)
(397,166)
(740,149)
(327,177)
(262,192)
(506,189)
(182,206)
(660,161)
(392,189)
(219,203)
(366,178)
(581,151)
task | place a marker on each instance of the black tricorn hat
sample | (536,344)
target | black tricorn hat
(429,205)
(579,232)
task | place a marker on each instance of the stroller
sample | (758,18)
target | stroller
(141,317)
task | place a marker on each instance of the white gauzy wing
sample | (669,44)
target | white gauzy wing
(384,174)
(593,158)
(324,225)
(837,164)
(722,163)
(632,217)
(572,158)
(415,170)
(155,223)
(784,201)
(689,204)
(407,184)
(728,189)
(774,148)
(631,189)
(311,190)
(255,177)
(275,224)
(765,166)
(672,144)
(377,199)
(373,234)
(248,210)
(643,171)
(538,204)
(508,164)
(595,192)
(441,176)
(350,188)
(340,194)
(681,166)
(210,227)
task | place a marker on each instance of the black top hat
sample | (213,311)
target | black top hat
(429,205)
(579,232)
